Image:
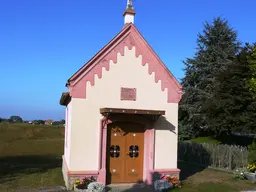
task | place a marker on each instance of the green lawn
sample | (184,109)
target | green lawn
(196,179)
(30,157)
(210,140)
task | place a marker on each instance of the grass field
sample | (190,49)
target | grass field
(30,157)
(196,179)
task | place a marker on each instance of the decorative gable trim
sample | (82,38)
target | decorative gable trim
(128,37)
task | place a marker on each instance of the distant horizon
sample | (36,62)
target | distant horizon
(32,119)
(43,43)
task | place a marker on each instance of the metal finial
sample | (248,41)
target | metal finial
(129,4)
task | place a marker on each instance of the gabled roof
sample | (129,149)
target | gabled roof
(128,36)
(100,53)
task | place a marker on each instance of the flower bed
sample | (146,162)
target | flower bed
(249,173)
(88,185)
(252,167)
(174,181)
(167,182)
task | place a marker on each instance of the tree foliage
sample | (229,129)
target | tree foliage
(40,122)
(61,122)
(232,108)
(15,119)
(252,152)
(252,66)
(217,47)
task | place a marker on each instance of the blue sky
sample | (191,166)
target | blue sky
(43,42)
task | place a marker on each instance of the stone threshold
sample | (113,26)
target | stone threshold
(129,187)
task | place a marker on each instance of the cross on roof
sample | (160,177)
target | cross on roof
(129,4)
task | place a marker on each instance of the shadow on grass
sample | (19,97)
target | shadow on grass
(17,165)
(140,186)
(193,158)
(188,169)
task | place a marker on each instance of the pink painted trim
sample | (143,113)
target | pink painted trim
(83,173)
(78,173)
(66,127)
(129,37)
(151,151)
(102,151)
(146,146)
(166,171)
(102,120)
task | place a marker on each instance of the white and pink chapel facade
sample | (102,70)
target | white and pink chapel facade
(121,113)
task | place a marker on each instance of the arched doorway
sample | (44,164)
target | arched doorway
(133,121)
(125,152)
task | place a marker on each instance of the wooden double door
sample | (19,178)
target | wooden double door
(125,152)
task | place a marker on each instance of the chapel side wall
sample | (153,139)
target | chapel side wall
(127,72)
(166,137)
(67,141)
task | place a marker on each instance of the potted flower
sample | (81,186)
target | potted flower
(167,182)
(81,184)
(251,175)
(174,181)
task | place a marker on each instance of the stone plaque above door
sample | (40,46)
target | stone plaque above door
(128,94)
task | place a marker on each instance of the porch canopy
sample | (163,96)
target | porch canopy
(142,112)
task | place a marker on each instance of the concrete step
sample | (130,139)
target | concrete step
(139,187)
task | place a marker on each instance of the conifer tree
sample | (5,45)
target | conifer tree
(217,47)
(252,65)
(229,110)
(250,124)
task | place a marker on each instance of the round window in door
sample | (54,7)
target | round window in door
(134,151)
(114,151)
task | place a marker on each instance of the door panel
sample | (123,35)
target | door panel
(134,155)
(116,158)
(125,165)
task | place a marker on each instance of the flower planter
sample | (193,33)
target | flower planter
(80,190)
(92,187)
(161,185)
(250,176)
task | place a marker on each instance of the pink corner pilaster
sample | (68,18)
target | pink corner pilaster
(102,151)
(149,161)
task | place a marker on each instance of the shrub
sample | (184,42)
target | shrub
(239,174)
(252,152)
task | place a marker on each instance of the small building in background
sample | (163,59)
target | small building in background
(48,122)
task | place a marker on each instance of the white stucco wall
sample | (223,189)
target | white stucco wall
(128,18)
(68,133)
(128,72)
